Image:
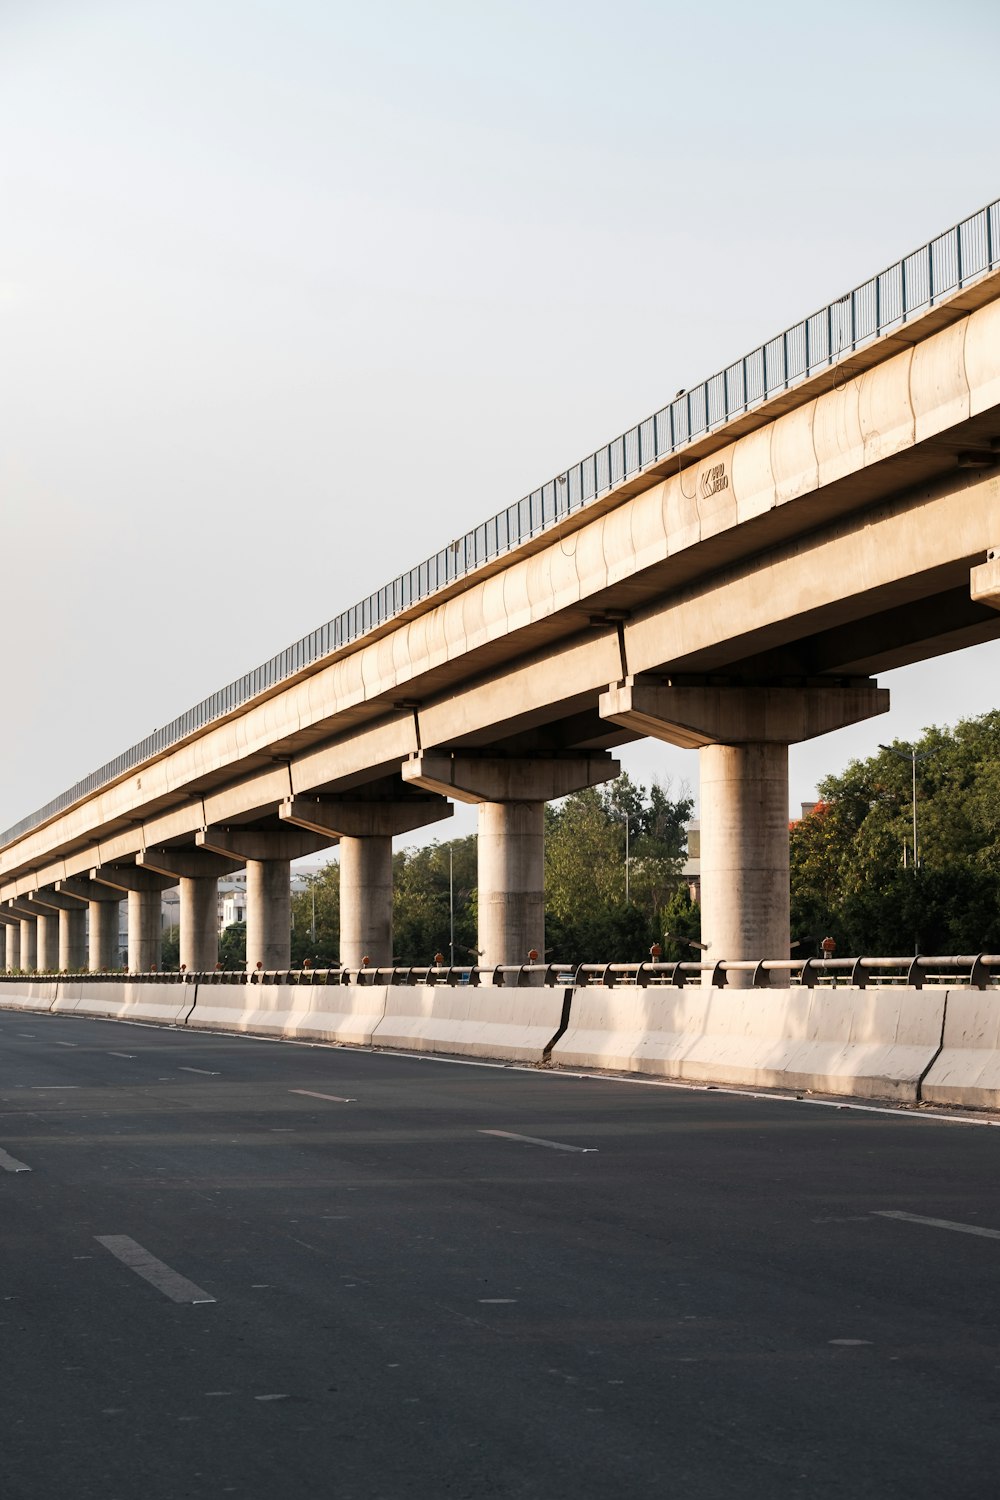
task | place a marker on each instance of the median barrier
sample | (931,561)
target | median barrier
(967,1070)
(28,994)
(870,1043)
(508,1023)
(345,1013)
(125,1000)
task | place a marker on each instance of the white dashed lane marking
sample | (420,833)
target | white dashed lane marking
(139,1260)
(334,1098)
(533,1140)
(204,1071)
(893,1213)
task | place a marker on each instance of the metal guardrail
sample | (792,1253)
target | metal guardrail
(976,971)
(953,260)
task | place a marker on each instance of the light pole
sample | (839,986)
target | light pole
(628,897)
(912,755)
(451,902)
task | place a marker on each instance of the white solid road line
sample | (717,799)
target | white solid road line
(169,1282)
(895,1213)
(11,1163)
(334,1098)
(533,1140)
(204,1071)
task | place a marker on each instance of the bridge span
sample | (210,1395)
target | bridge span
(731,574)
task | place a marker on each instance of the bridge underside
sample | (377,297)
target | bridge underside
(740,603)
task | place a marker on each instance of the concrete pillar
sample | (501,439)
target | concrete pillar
(73,938)
(104,924)
(365,828)
(511,857)
(144,931)
(744,850)
(269,913)
(13,952)
(29,948)
(199,920)
(47,938)
(743,734)
(366,901)
(512,792)
(3,947)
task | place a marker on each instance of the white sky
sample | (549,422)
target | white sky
(293,293)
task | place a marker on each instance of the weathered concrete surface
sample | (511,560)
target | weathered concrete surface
(516,1025)
(967,1072)
(872,1043)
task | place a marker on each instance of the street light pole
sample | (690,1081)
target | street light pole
(912,754)
(451,901)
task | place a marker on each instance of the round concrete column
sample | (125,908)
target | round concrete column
(13,948)
(744,851)
(103,947)
(73,939)
(47,937)
(366,901)
(144,929)
(511,853)
(199,922)
(269,913)
(29,948)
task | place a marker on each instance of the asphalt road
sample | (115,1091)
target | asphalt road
(430,1279)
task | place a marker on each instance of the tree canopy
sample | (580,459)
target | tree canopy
(853,874)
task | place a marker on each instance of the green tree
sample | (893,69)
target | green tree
(170,949)
(592,911)
(316,919)
(233,946)
(428,884)
(853,875)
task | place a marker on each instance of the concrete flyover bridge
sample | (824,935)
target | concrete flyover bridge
(731,574)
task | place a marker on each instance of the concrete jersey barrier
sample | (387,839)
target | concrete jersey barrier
(159,1004)
(967,1070)
(345,1013)
(31,994)
(511,1024)
(870,1043)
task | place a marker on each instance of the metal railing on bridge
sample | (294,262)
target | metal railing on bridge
(976,971)
(952,260)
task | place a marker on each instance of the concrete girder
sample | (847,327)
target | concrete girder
(130,878)
(187,864)
(255,845)
(353,817)
(692,716)
(478,779)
